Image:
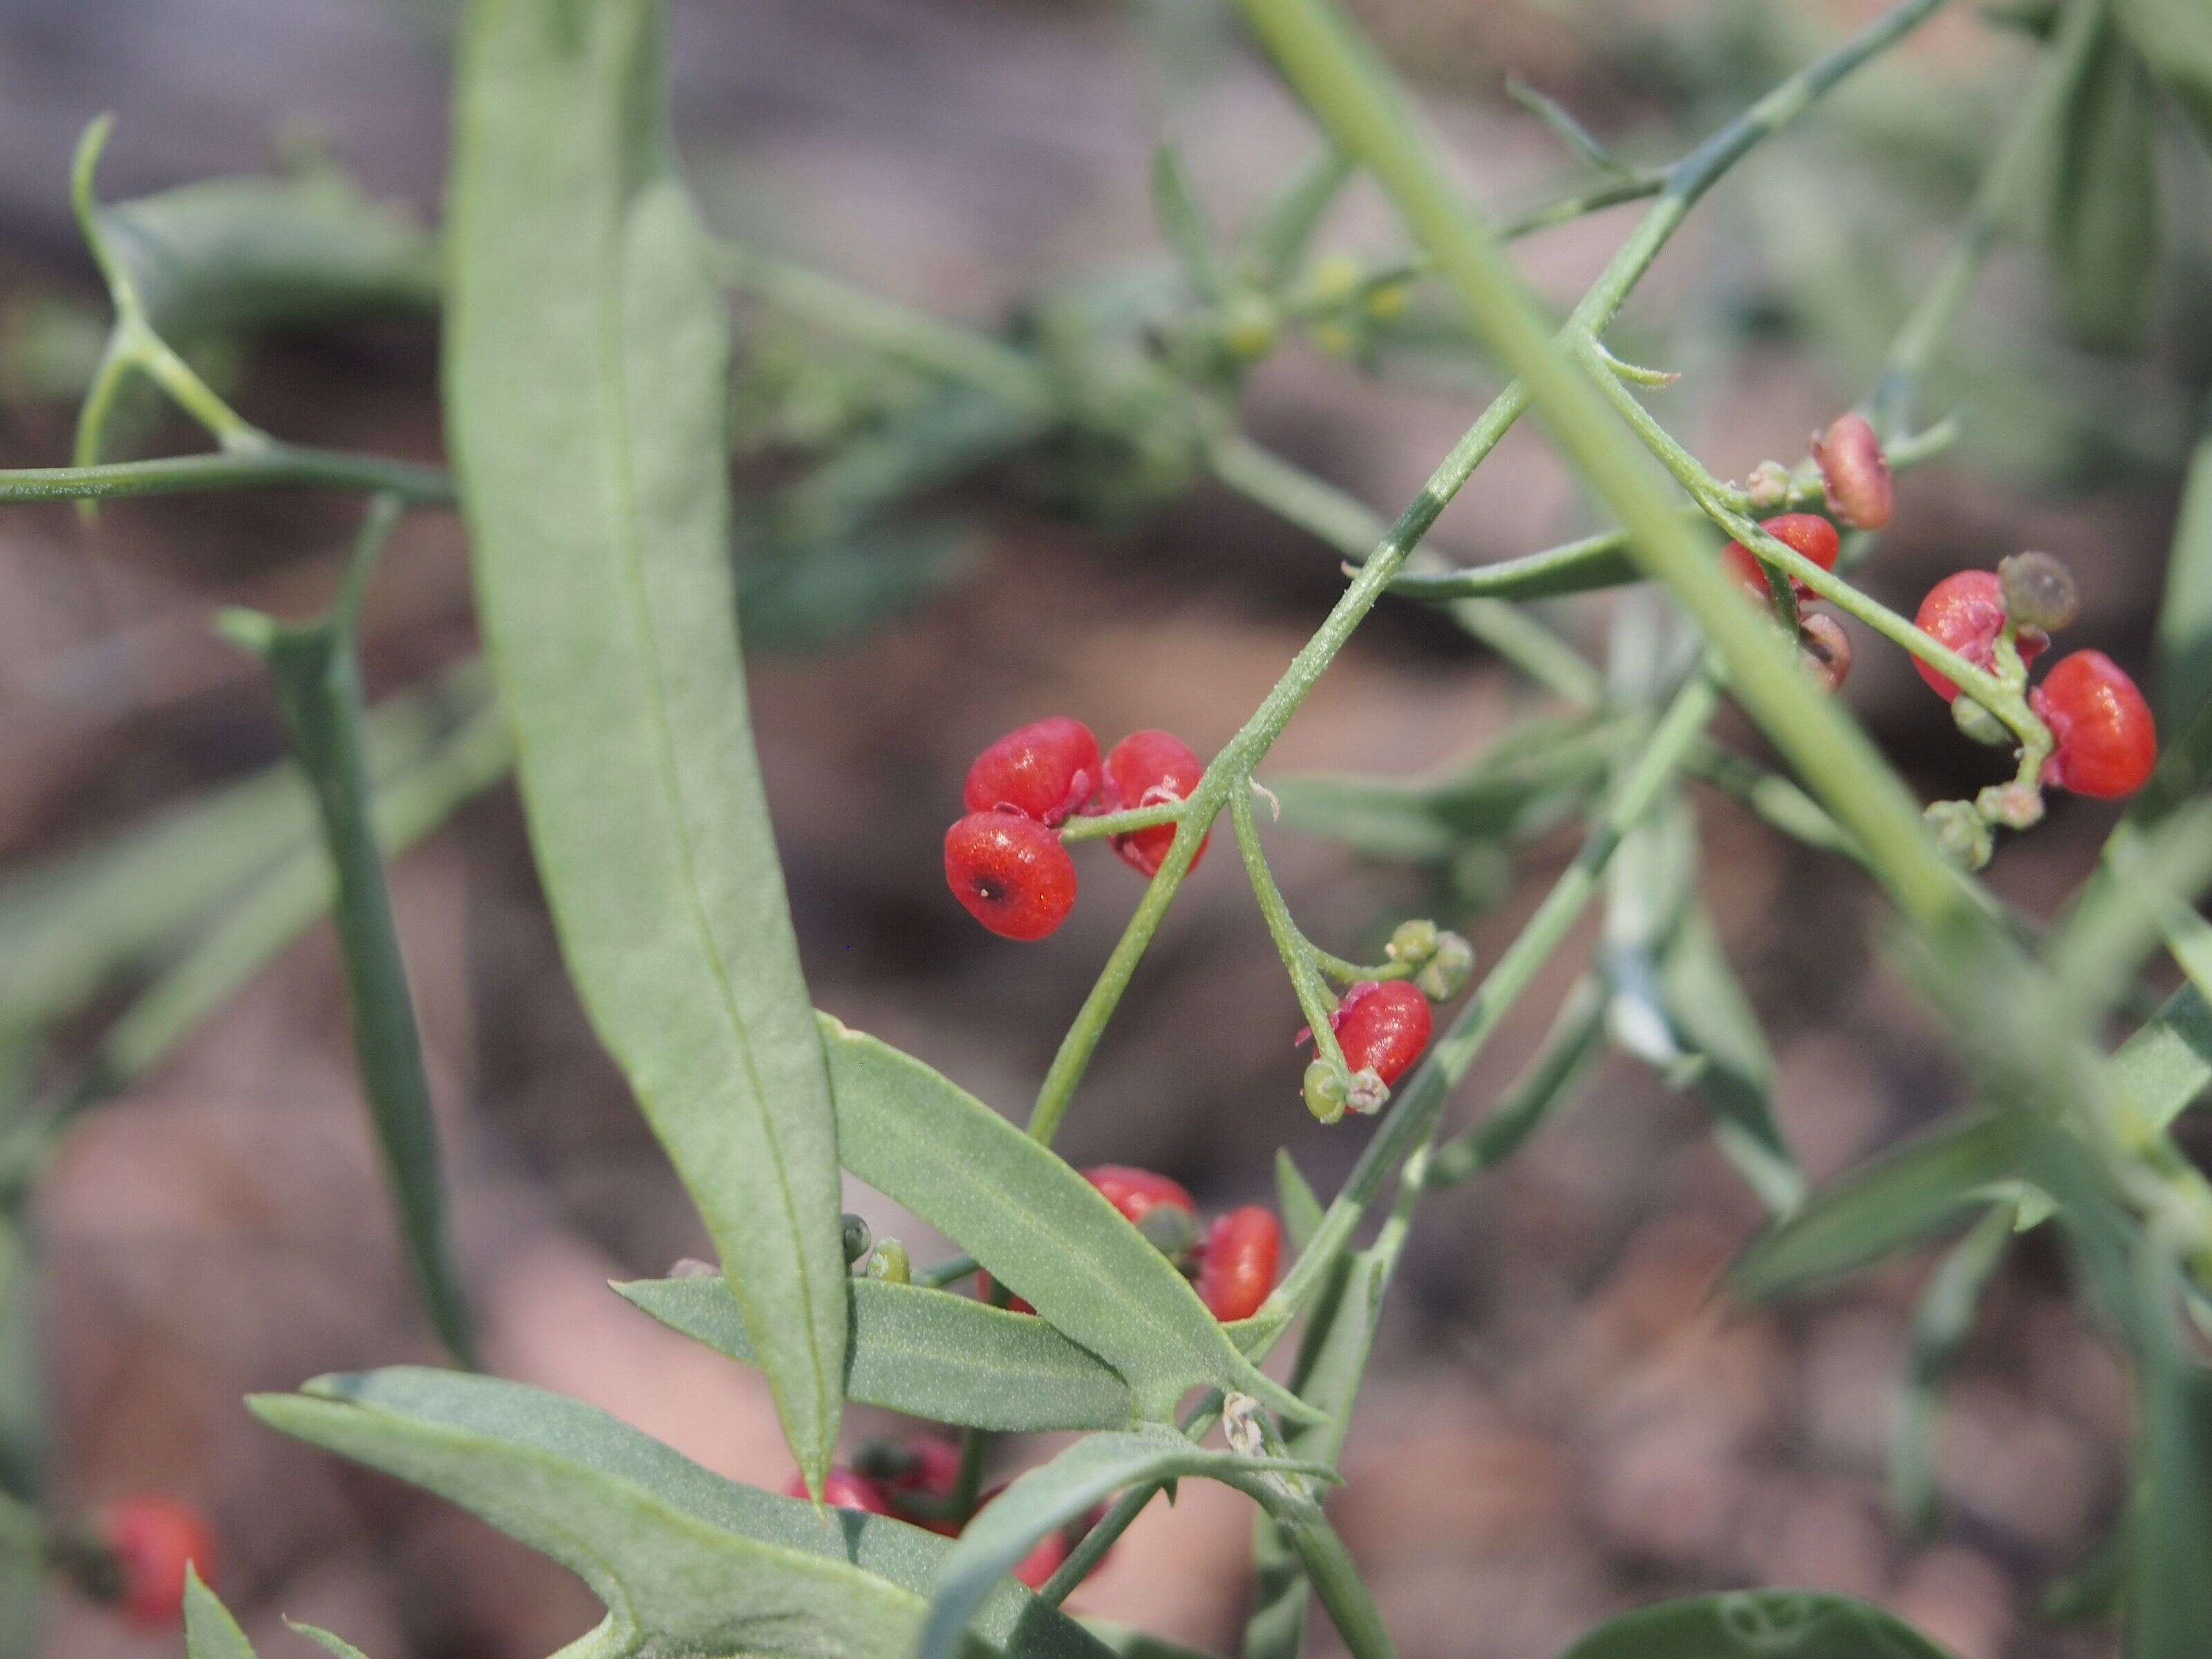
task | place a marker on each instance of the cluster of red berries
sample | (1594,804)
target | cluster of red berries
(915,1480)
(133,1553)
(2107,741)
(1232,1263)
(1005,862)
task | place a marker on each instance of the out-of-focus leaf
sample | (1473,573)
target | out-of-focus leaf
(928,1353)
(1295,1201)
(1278,239)
(1128,1643)
(941,438)
(2183,683)
(2165,1064)
(1055,1494)
(685,1560)
(1036,1225)
(2094,1588)
(210,1631)
(1511,792)
(1945,1319)
(1772,1624)
(1183,223)
(237,255)
(2104,211)
(329,1640)
(1583,566)
(2175,38)
(806,597)
(1734,1075)
(23,1397)
(1574,1043)
(1883,1207)
(2169,1534)
(587,369)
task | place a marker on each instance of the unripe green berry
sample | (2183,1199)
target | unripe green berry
(2039,591)
(1962,835)
(1445,974)
(1768,487)
(1172,1230)
(1333,279)
(1978,723)
(857,1237)
(1248,327)
(889,1262)
(1414,942)
(1328,1091)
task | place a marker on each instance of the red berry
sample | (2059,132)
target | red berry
(1381,1026)
(1967,611)
(927,1469)
(154,1538)
(1808,533)
(1135,1192)
(1011,872)
(1854,471)
(842,1489)
(1237,1268)
(1044,771)
(2107,741)
(1145,769)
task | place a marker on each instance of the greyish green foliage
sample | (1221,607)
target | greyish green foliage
(929,1353)
(587,374)
(210,1631)
(685,1561)
(2103,207)
(1757,1625)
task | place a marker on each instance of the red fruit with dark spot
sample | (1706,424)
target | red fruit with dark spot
(1011,872)
(1967,611)
(1236,1268)
(1808,533)
(842,1489)
(2107,741)
(1146,769)
(1044,771)
(153,1540)
(1381,1026)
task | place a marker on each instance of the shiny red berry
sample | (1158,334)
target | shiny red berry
(153,1539)
(1854,471)
(1137,1193)
(1967,611)
(1237,1266)
(915,1477)
(2107,741)
(1808,533)
(1044,771)
(1145,769)
(842,1489)
(1381,1027)
(1011,872)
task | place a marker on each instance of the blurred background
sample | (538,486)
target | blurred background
(1563,1419)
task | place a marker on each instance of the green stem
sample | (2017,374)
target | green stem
(279,466)
(1315,1000)
(1099,825)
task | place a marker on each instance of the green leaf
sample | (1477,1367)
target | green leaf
(23,1385)
(685,1560)
(2095,1587)
(1944,1320)
(1036,1225)
(1183,223)
(1773,1624)
(328,1639)
(928,1353)
(2103,217)
(1883,1207)
(2175,38)
(2169,1535)
(317,676)
(1587,566)
(1295,1201)
(806,597)
(2167,1063)
(1713,1021)
(587,369)
(1128,1643)
(1278,239)
(210,1631)
(1550,1083)
(1055,1494)
(2183,683)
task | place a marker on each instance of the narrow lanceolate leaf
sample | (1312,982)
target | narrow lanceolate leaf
(928,1353)
(2175,38)
(2184,617)
(317,682)
(684,1561)
(1294,1200)
(1584,567)
(1183,223)
(210,1631)
(1733,1074)
(2167,1062)
(1777,1624)
(1061,1491)
(1126,1644)
(2103,225)
(1888,1203)
(23,1395)
(329,1640)
(1033,1222)
(586,363)
(1940,1325)
(2169,1536)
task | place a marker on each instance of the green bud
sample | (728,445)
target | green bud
(1414,942)
(2016,805)
(857,1237)
(1248,326)
(1962,835)
(2039,591)
(1978,723)
(889,1262)
(1170,1229)
(1445,974)
(1328,1091)
(1768,486)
